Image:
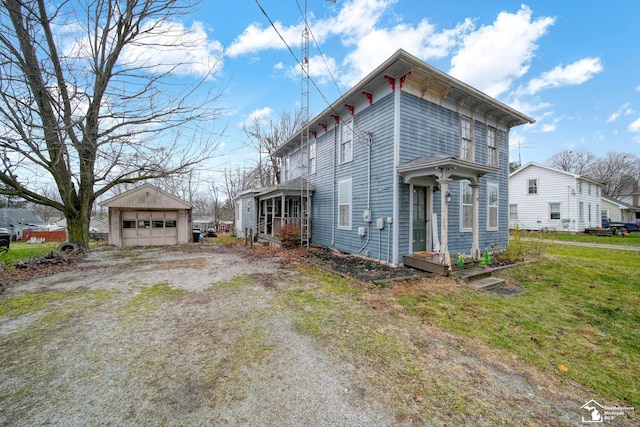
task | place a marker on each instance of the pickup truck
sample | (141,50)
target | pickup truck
(614,228)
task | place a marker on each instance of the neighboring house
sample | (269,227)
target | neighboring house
(16,220)
(410,163)
(96,225)
(617,211)
(544,198)
(148,216)
(245,207)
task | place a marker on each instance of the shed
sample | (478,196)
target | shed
(148,216)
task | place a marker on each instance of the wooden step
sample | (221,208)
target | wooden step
(472,274)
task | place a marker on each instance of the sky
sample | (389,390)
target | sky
(572,66)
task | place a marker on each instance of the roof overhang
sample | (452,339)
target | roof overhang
(442,167)
(416,73)
(288,189)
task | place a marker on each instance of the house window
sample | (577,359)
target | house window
(344,204)
(128,224)
(597,191)
(170,223)
(287,165)
(580,187)
(312,157)
(144,223)
(466,139)
(466,202)
(589,189)
(492,207)
(604,214)
(589,213)
(532,186)
(513,212)
(346,143)
(554,210)
(581,215)
(492,147)
(157,223)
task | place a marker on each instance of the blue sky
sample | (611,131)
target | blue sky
(572,66)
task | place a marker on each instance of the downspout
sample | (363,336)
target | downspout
(369,142)
(335,161)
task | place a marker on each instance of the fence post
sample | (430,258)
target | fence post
(251,238)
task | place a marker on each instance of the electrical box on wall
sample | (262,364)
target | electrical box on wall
(380,223)
(389,220)
(362,231)
(366,215)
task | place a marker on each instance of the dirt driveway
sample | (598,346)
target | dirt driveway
(208,336)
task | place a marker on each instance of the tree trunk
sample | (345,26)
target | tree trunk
(78,229)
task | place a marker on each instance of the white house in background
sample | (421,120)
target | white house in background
(617,211)
(544,198)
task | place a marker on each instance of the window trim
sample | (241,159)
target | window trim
(513,216)
(346,146)
(349,204)
(312,157)
(492,148)
(551,212)
(536,188)
(471,157)
(581,213)
(490,206)
(464,184)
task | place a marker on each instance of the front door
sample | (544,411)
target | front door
(419,219)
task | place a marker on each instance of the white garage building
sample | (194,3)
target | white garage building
(148,216)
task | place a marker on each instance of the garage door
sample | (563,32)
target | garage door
(149,228)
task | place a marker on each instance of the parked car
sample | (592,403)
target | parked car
(211,232)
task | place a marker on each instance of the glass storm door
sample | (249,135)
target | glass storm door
(419,219)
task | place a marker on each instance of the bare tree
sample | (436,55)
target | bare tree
(574,161)
(94,110)
(265,135)
(617,172)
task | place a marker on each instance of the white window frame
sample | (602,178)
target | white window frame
(581,213)
(312,157)
(604,214)
(287,165)
(492,146)
(552,211)
(346,141)
(493,206)
(466,139)
(344,201)
(513,212)
(466,205)
(535,181)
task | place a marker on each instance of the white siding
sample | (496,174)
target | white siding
(553,187)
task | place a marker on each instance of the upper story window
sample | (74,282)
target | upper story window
(467,205)
(532,186)
(466,139)
(312,157)
(285,168)
(346,141)
(492,146)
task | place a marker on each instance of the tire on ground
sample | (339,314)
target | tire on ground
(69,247)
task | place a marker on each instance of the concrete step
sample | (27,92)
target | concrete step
(472,274)
(486,283)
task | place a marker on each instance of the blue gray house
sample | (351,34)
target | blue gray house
(409,166)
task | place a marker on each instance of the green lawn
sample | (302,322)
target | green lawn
(632,240)
(22,250)
(577,318)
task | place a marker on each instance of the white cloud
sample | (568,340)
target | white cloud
(571,75)
(170,47)
(492,57)
(260,114)
(624,110)
(635,126)
(256,38)
(321,69)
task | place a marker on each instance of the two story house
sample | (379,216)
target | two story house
(544,198)
(409,166)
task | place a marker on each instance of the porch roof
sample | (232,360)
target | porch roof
(293,187)
(443,167)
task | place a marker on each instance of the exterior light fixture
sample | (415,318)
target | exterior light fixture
(448,197)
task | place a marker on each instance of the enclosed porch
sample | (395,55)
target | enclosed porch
(284,204)
(430,179)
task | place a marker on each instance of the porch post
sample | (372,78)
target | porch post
(283,206)
(445,259)
(273,218)
(475,244)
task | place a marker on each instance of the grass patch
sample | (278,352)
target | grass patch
(22,250)
(578,318)
(149,298)
(632,240)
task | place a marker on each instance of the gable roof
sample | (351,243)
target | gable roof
(620,204)
(552,169)
(146,196)
(17,216)
(404,65)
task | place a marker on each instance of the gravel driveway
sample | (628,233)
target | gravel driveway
(197,336)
